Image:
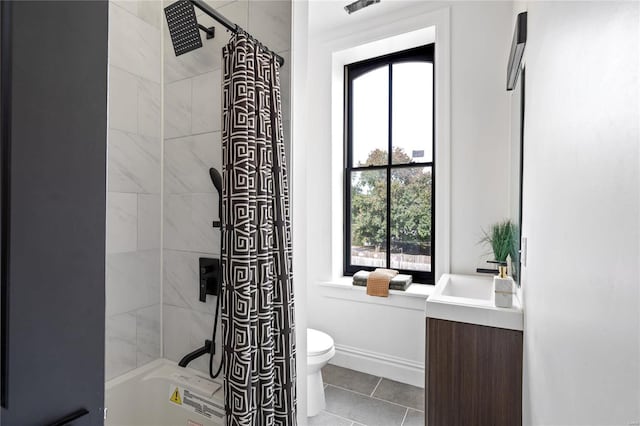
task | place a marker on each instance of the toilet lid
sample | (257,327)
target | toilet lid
(318,343)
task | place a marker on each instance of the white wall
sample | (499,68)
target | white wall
(299,84)
(387,334)
(581,214)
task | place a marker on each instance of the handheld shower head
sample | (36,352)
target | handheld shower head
(216,179)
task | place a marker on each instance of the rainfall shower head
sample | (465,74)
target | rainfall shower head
(183,27)
(216,179)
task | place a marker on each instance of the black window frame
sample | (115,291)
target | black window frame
(424,53)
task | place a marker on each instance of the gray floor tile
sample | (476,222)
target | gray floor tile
(400,393)
(362,409)
(414,418)
(349,379)
(327,419)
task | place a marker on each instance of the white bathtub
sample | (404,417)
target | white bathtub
(163,394)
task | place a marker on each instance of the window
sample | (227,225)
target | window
(389,167)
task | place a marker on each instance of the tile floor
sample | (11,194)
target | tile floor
(355,399)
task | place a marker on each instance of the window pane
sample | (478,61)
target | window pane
(411,218)
(412,110)
(370,115)
(368,218)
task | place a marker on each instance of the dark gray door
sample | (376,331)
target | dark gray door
(53,160)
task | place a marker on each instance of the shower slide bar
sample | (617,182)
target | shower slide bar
(200,4)
(210,268)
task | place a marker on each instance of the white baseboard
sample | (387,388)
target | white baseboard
(382,365)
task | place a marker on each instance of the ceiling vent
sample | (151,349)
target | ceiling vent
(360,4)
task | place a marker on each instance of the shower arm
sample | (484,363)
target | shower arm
(211,32)
(200,4)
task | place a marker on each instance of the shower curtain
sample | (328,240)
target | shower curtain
(257,305)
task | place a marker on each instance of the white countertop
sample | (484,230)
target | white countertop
(469,299)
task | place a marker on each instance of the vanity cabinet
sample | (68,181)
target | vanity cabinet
(473,375)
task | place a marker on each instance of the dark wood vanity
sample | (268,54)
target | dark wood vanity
(473,375)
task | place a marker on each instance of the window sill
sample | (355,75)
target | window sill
(414,298)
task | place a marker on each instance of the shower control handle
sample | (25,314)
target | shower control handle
(210,277)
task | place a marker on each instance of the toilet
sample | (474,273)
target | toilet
(320,350)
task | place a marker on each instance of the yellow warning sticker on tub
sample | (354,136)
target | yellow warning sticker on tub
(195,402)
(175,397)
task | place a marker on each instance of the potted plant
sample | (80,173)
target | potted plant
(501,239)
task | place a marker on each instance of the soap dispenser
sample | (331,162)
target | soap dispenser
(503,286)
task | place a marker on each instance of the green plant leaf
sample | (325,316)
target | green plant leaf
(501,239)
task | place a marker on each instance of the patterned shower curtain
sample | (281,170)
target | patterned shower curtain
(257,305)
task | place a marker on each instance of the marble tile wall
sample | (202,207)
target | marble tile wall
(134,181)
(192,144)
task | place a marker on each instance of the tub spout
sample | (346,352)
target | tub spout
(195,354)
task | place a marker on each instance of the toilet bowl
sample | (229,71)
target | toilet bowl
(320,350)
